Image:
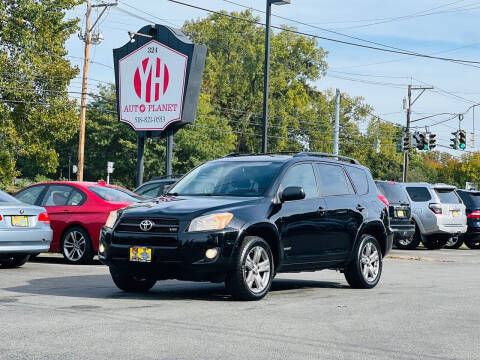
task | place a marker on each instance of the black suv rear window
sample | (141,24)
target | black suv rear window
(418,193)
(395,193)
(471,199)
(447,196)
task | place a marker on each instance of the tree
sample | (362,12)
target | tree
(35,111)
(107,139)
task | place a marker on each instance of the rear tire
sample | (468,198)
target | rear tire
(454,242)
(365,270)
(410,243)
(131,283)
(473,244)
(252,276)
(76,246)
(8,261)
(431,243)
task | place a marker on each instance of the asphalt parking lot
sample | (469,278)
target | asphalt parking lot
(427,306)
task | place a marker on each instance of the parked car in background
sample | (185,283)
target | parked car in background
(24,230)
(438,212)
(77,211)
(399,211)
(157,186)
(243,219)
(471,199)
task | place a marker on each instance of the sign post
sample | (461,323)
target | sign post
(158,75)
(110,169)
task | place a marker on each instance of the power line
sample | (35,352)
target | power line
(404,52)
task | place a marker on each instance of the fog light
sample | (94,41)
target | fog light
(101,248)
(211,253)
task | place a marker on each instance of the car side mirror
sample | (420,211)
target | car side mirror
(292,193)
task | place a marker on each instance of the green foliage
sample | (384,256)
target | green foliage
(38,123)
(35,110)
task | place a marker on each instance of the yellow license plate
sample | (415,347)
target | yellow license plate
(400,213)
(455,212)
(20,221)
(140,254)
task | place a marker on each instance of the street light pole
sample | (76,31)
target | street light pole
(266,69)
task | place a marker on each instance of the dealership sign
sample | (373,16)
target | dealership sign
(158,78)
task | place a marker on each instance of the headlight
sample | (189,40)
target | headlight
(112,218)
(210,222)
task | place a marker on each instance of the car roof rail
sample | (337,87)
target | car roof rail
(332,156)
(166,177)
(261,154)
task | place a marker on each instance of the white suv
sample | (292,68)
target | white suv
(438,212)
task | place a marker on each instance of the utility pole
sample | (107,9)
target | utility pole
(407,128)
(83,99)
(336,128)
(266,69)
(95,40)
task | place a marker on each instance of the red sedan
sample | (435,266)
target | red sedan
(77,210)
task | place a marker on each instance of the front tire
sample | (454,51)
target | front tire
(454,242)
(131,283)
(252,276)
(365,270)
(76,246)
(8,261)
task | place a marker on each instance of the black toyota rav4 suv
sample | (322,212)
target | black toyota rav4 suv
(242,219)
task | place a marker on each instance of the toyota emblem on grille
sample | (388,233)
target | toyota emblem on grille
(146,225)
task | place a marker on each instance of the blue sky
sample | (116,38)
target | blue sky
(446,28)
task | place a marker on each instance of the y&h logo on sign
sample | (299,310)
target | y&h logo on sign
(151,86)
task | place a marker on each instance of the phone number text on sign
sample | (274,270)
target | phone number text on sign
(152,82)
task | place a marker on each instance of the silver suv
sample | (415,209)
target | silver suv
(438,212)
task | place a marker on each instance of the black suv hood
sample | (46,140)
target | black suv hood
(187,207)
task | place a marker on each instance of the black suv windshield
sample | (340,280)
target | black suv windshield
(229,178)
(395,193)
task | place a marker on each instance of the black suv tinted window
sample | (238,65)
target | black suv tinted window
(447,196)
(301,175)
(471,199)
(395,193)
(359,178)
(332,180)
(418,193)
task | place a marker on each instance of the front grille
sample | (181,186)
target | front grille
(164,241)
(160,226)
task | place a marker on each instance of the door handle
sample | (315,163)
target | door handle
(321,211)
(65,211)
(360,207)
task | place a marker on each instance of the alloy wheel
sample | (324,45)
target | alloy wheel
(256,272)
(406,241)
(74,245)
(370,262)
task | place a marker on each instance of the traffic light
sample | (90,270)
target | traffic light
(462,139)
(422,143)
(454,142)
(406,142)
(432,141)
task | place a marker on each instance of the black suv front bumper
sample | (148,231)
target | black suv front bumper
(180,256)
